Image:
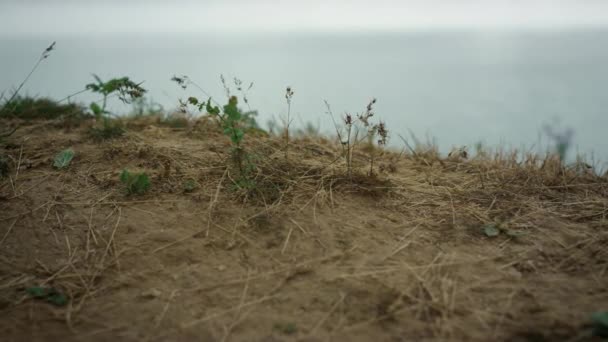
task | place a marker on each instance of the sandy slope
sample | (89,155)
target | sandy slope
(310,257)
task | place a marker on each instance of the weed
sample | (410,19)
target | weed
(48,294)
(190,185)
(239,87)
(63,158)
(126,90)
(288,95)
(233,124)
(135,183)
(349,136)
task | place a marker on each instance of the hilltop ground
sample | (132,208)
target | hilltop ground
(311,255)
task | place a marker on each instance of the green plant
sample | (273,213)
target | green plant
(49,294)
(135,183)
(63,158)
(231,122)
(190,185)
(125,89)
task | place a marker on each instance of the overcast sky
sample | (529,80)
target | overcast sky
(88,16)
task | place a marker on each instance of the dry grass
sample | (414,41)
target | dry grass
(401,255)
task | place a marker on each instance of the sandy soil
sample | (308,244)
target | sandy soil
(313,256)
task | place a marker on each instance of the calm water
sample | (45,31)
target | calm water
(461,88)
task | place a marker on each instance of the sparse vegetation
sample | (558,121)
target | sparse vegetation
(126,90)
(28,108)
(135,183)
(357,130)
(233,124)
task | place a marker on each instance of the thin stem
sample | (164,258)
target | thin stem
(72,95)
(348,152)
(43,56)
(287,128)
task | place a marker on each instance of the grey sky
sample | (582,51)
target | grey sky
(86,16)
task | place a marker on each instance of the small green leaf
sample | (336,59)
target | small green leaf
(193,100)
(63,158)
(491,230)
(57,299)
(49,294)
(36,292)
(212,110)
(96,109)
(190,185)
(141,184)
(237,136)
(135,183)
(124,176)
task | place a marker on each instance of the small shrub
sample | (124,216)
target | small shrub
(232,123)
(135,183)
(126,90)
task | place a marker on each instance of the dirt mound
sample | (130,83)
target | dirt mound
(430,249)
